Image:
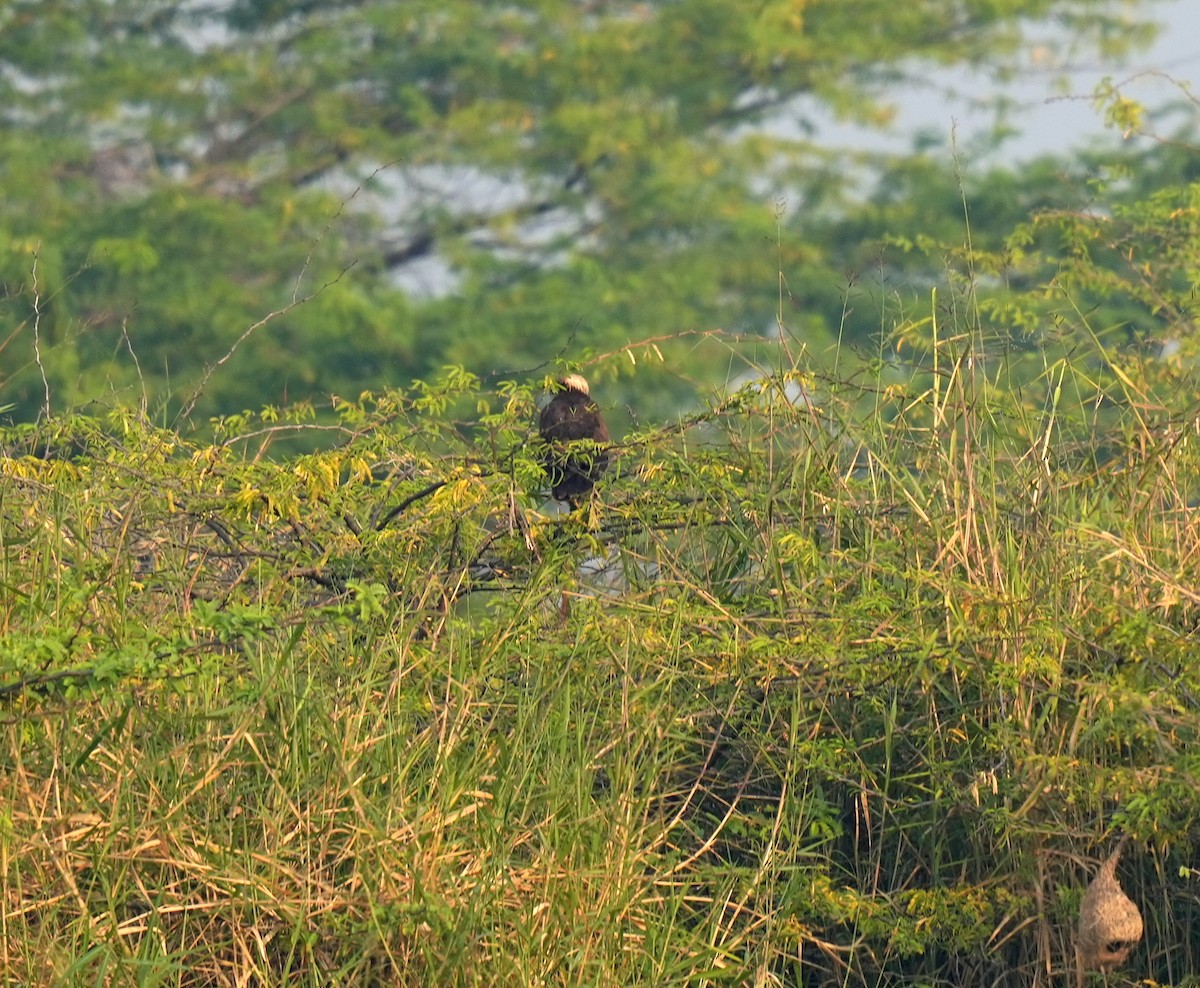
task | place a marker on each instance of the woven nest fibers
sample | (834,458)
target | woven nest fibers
(1110,925)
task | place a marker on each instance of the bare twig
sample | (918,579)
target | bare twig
(137,365)
(408,501)
(37,339)
(250,330)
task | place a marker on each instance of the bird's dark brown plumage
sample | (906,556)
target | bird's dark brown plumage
(576,440)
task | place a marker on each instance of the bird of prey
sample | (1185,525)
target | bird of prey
(576,440)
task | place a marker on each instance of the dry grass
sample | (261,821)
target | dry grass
(872,680)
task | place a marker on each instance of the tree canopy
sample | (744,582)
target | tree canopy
(492,185)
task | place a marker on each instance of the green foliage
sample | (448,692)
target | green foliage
(481,184)
(848,675)
(841,679)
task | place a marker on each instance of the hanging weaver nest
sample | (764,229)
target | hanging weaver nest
(1110,925)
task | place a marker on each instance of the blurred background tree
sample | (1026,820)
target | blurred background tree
(492,185)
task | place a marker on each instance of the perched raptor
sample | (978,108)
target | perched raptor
(576,439)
